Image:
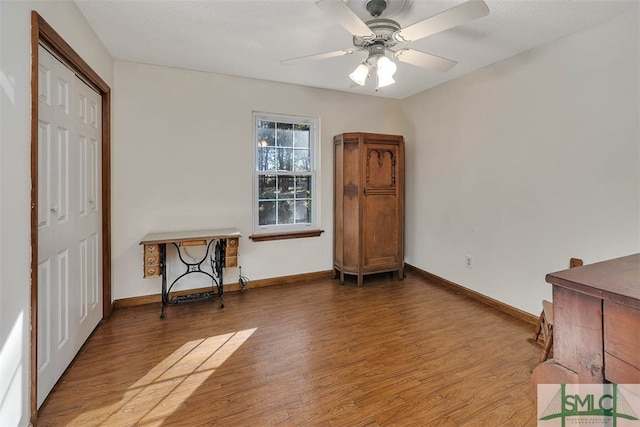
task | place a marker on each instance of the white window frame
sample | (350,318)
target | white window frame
(314,149)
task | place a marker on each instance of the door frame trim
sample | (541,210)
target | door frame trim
(42,32)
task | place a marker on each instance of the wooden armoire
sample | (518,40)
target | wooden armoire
(368,205)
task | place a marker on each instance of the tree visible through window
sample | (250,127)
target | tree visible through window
(285,172)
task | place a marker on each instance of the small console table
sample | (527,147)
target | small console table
(225,254)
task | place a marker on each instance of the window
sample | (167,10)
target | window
(285,173)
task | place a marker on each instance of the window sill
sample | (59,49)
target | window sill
(283,236)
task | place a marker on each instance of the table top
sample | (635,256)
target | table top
(186,236)
(615,280)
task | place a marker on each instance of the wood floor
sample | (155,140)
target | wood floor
(391,353)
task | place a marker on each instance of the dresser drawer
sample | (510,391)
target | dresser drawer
(151,259)
(618,372)
(200,242)
(622,333)
(151,249)
(152,271)
(232,243)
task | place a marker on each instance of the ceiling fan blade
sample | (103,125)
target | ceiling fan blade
(318,56)
(450,18)
(424,60)
(339,11)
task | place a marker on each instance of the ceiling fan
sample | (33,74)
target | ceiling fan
(380,35)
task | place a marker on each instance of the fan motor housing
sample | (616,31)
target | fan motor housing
(383,30)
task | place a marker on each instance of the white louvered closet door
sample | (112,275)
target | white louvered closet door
(69,219)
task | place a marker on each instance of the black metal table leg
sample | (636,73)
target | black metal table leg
(218,267)
(163,271)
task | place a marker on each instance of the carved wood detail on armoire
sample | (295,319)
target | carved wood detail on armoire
(368,205)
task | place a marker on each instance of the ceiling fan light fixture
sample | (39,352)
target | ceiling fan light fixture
(360,74)
(380,37)
(384,81)
(386,70)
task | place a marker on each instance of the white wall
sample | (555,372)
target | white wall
(183,158)
(527,163)
(15,137)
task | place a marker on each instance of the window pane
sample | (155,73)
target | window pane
(267,187)
(267,213)
(267,159)
(302,189)
(266,133)
(286,186)
(285,212)
(285,159)
(303,211)
(301,137)
(301,161)
(284,136)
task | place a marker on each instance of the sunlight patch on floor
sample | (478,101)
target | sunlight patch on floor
(157,395)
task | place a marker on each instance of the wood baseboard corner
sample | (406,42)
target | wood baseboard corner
(498,305)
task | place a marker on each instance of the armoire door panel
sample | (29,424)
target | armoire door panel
(381,223)
(338,179)
(380,167)
(350,203)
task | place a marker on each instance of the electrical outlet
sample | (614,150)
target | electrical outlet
(468,261)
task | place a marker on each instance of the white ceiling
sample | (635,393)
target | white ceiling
(249,38)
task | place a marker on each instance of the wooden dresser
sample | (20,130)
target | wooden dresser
(368,204)
(596,331)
